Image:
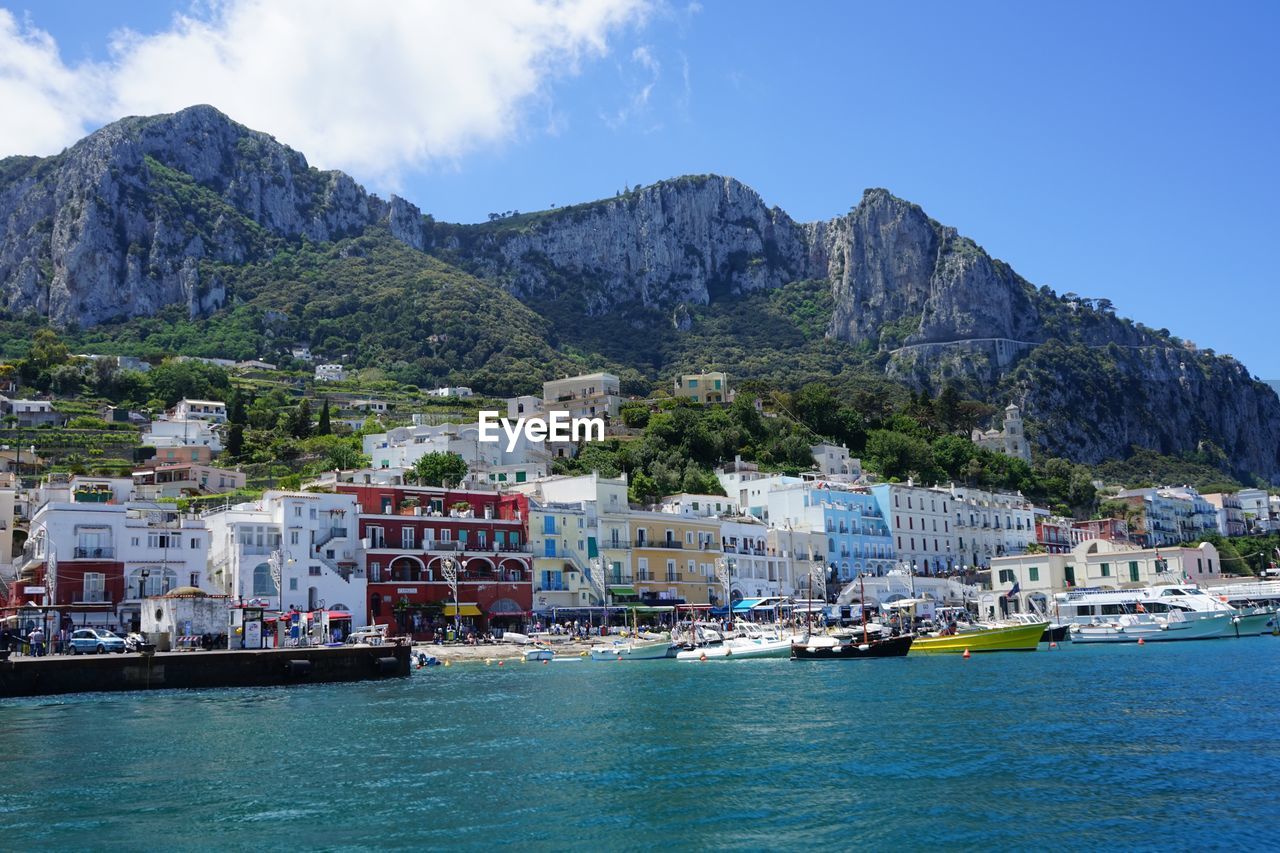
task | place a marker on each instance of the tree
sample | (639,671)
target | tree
(345,457)
(47,350)
(323,428)
(436,469)
(947,409)
(300,423)
(176,380)
(235,439)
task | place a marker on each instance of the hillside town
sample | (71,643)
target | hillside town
(511,544)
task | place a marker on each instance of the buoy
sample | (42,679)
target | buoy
(501,662)
(447,663)
(703,657)
(1142,641)
(966,654)
(544,660)
(1053,645)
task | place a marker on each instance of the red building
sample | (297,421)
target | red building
(409,535)
(1113,529)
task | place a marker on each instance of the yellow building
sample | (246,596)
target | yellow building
(675,557)
(563,540)
(704,388)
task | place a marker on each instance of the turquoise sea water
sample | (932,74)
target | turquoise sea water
(1173,746)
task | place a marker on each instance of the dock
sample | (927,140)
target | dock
(53,675)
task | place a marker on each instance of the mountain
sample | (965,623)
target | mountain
(223,232)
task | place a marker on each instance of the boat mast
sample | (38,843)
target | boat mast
(862,604)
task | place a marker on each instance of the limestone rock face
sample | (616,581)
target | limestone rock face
(689,240)
(115,226)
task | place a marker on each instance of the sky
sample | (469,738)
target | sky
(1119,150)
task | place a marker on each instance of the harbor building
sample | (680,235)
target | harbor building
(1101,564)
(675,558)
(857,537)
(562,539)
(920,520)
(414,537)
(990,524)
(286,550)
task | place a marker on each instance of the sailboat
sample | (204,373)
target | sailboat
(869,647)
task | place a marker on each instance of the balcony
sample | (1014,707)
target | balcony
(94,553)
(674,577)
(665,543)
(645,575)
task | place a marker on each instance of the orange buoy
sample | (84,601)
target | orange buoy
(703,657)
(1053,645)
(966,654)
(1142,641)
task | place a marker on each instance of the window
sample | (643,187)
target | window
(1133,571)
(94,586)
(262,582)
(1006,576)
(406,537)
(1033,574)
(293,584)
(297,512)
(293,537)
(1106,570)
(195,545)
(1070,572)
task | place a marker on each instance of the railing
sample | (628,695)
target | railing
(645,575)
(666,543)
(673,577)
(94,553)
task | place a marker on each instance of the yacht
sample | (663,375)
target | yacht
(747,641)
(1258,603)
(633,650)
(1167,612)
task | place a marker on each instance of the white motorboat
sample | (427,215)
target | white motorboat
(633,650)
(1095,606)
(1258,603)
(749,641)
(1131,627)
(538,653)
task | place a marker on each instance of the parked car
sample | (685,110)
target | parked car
(94,641)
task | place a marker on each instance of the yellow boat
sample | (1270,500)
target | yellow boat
(1013,638)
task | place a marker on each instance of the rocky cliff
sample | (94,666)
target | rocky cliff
(151,212)
(116,226)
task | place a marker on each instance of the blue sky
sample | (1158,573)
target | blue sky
(1119,150)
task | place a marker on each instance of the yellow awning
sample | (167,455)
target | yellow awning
(462,610)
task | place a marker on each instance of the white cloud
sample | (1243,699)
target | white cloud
(373,88)
(637,105)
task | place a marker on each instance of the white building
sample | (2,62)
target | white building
(989,524)
(488,462)
(213,411)
(1261,510)
(1102,564)
(99,560)
(173,433)
(750,489)
(1011,441)
(921,521)
(451,391)
(757,569)
(330,373)
(698,506)
(589,395)
(835,463)
(314,538)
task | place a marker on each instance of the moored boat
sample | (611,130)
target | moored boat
(1009,638)
(889,647)
(633,650)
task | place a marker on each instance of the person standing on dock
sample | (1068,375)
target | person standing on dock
(36,637)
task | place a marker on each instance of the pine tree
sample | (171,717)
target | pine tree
(323,428)
(235,439)
(302,420)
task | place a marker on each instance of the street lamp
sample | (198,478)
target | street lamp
(724,571)
(449,571)
(598,584)
(142,585)
(276,563)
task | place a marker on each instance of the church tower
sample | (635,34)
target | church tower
(1015,442)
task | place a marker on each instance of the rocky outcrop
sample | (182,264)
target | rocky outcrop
(688,240)
(117,225)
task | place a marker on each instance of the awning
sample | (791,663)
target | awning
(746,604)
(506,607)
(462,610)
(622,590)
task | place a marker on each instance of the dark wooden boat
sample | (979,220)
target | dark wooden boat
(1055,634)
(889,647)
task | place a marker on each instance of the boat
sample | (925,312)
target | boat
(633,650)
(1095,606)
(1054,632)
(1007,638)
(889,647)
(1258,603)
(538,653)
(746,641)
(1150,628)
